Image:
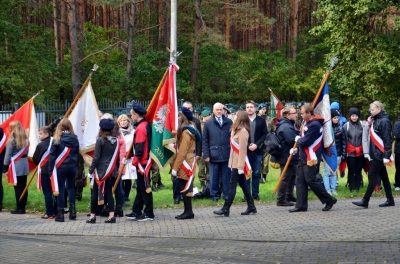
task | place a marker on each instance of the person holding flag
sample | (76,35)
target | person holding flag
(104,166)
(63,164)
(380,154)
(239,164)
(184,166)
(142,161)
(16,164)
(310,144)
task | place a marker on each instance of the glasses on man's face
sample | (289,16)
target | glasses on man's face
(292,113)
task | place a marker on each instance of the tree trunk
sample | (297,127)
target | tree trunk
(197,33)
(227,24)
(63,28)
(295,29)
(131,27)
(72,25)
(56,14)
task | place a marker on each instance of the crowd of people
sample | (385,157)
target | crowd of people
(228,147)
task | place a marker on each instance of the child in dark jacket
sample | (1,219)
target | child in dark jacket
(41,158)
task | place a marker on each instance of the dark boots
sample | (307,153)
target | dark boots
(188,212)
(72,211)
(389,202)
(251,208)
(224,210)
(118,211)
(60,215)
(362,203)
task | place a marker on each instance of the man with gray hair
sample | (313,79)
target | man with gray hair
(216,149)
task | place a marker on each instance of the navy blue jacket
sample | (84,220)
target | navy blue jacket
(312,131)
(66,140)
(383,128)
(41,148)
(287,132)
(260,133)
(216,144)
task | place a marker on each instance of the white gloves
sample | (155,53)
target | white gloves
(293,151)
(385,161)
(296,138)
(90,175)
(174,173)
(125,161)
(240,171)
(367,156)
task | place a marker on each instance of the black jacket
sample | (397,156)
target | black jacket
(66,140)
(340,140)
(199,146)
(260,133)
(41,148)
(216,140)
(397,136)
(354,131)
(286,132)
(103,153)
(383,128)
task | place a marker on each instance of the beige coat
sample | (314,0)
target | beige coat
(237,161)
(186,151)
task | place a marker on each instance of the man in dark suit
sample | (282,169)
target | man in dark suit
(258,132)
(216,150)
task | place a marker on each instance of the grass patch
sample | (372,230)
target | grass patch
(163,198)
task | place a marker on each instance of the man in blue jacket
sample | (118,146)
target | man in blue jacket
(216,149)
(310,144)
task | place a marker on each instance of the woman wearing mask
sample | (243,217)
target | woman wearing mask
(380,153)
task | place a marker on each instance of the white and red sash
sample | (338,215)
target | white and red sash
(145,172)
(247,167)
(11,174)
(312,158)
(189,170)
(43,161)
(3,142)
(109,170)
(378,142)
(60,159)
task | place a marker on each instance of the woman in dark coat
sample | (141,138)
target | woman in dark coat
(380,153)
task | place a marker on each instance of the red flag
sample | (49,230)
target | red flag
(276,108)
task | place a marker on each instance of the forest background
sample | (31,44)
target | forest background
(232,50)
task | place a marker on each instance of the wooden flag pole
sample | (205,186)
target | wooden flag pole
(29,182)
(127,157)
(324,80)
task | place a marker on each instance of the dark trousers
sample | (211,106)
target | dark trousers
(119,193)
(376,172)
(19,188)
(286,187)
(49,200)
(1,191)
(108,196)
(176,188)
(355,166)
(234,180)
(397,175)
(127,185)
(143,199)
(306,176)
(66,176)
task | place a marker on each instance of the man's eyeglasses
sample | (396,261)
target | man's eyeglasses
(292,113)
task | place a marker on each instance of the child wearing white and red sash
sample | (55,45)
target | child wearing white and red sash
(240,132)
(380,154)
(104,167)
(16,164)
(63,163)
(41,158)
(184,166)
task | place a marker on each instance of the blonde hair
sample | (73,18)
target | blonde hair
(379,105)
(125,117)
(17,134)
(64,125)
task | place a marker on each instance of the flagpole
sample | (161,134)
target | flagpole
(333,63)
(158,88)
(95,67)
(127,156)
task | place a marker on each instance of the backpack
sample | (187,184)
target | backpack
(273,144)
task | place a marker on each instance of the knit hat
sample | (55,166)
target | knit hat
(187,113)
(354,111)
(106,124)
(334,112)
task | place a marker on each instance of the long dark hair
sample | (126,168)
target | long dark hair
(242,121)
(183,121)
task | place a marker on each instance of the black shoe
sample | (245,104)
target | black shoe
(257,198)
(284,204)
(215,199)
(177,200)
(297,210)
(389,202)
(249,210)
(18,211)
(132,216)
(118,211)
(361,203)
(91,220)
(185,216)
(60,215)
(329,205)
(110,220)
(291,199)
(161,186)
(223,211)
(154,188)
(72,211)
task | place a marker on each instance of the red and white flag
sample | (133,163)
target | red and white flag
(85,120)
(276,108)
(26,115)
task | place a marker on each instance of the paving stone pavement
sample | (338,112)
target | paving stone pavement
(346,234)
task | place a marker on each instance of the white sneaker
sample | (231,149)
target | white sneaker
(397,189)
(330,193)
(334,192)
